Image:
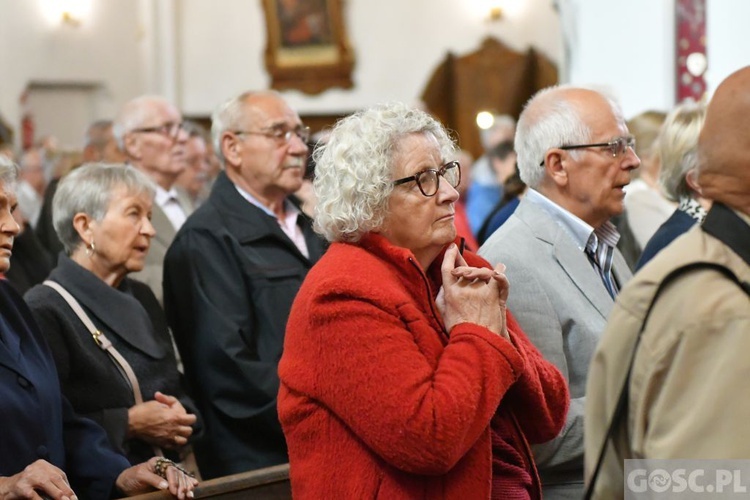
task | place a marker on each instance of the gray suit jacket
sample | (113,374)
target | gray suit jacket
(153,271)
(562,305)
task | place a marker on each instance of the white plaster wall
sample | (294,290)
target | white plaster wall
(627,47)
(199,52)
(397,44)
(103,49)
(728,37)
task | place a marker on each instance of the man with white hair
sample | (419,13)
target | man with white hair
(575,154)
(230,278)
(149,131)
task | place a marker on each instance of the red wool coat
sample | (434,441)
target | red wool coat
(377,401)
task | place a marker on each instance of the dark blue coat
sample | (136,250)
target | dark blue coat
(36,422)
(677,224)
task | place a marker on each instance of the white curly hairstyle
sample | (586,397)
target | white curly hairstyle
(354,168)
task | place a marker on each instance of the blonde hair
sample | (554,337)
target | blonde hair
(677,142)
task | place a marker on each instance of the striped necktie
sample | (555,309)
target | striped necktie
(603,268)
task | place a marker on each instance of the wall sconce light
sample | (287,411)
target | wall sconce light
(67,12)
(495,13)
(69,18)
(485,120)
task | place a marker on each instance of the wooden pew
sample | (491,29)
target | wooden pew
(271,483)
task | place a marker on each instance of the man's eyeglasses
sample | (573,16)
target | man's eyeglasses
(428,180)
(280,134)
(617,146)
(168,129)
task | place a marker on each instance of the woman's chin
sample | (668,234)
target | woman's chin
(135,267)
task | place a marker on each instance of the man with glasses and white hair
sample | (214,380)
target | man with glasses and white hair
(230,278)
(575,154)
(149,131)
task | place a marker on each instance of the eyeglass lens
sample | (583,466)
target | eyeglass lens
(302,132)
(622,144)
(429,182)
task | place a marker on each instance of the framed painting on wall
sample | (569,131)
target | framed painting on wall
(306,47)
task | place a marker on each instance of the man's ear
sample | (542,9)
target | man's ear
(132,146)
(555,166)
(83,225)
(231,149)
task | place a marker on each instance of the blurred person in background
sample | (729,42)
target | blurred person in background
(463,228)
(503,160)
(679,176)
(484,189)
(99,145)
(191,183)
(646,208)
(513,190)
(32,182)
(149,131)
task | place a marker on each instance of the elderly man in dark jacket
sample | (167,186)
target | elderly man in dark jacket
(231,275)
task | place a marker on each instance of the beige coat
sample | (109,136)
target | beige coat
(688,391)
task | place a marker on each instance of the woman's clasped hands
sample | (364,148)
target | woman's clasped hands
(472,294)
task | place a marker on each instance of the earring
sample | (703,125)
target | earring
(90,249)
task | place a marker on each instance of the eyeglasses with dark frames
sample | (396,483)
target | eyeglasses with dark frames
(617,146)
(280,134)
(169,129)
(428,180)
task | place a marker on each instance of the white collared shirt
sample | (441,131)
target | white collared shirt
(583,234)
(167,200)
(288,224)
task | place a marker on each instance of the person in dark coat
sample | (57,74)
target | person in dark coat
(45,448)
(230,277)
(101,216)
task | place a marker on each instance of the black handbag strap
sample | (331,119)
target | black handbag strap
(622,400)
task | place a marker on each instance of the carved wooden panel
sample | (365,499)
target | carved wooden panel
(493,78)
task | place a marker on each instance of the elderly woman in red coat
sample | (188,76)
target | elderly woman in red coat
(403,375)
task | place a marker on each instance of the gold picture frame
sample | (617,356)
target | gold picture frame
(306,46)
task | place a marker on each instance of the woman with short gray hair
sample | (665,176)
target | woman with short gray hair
(47,450)
(101,213)
(400,364)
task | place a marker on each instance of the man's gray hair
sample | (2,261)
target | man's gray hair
(354,169)
(89,190)
(550,121)
(231,115)
(134,114)
(96,134)
(8,172)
